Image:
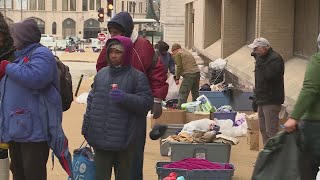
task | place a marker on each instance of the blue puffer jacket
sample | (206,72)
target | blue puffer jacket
(114,126)
(26,81)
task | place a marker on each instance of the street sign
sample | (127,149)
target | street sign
(102,37)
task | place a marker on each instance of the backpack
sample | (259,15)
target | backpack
(65,79)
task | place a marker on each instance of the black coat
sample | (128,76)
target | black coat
(269,80)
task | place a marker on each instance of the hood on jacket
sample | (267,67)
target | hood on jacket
(25,33)
(7,49)
(123,22)
(128,47)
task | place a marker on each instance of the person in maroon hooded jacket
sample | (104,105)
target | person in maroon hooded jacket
(143,52)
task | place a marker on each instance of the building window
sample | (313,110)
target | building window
(130,6)
(122,5)
(32,4)
(91,4)
(84,5)
(18,4)
(73,5)
(54,28)
(140,7)
(65,5)
(54,5)
(8,4)
(41,4)
(98,4)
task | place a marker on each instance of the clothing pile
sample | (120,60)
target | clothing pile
(201,137)
(225,109)
(174,176)
(197,164)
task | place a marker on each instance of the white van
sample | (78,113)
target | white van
(47,38)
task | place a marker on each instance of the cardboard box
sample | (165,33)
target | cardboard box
(253,122)
(193,117)
(253,140)
(170,116)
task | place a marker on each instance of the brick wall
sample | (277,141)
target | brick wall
(233,26)
(276,23)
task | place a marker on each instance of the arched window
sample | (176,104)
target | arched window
(54,28)
(68,27)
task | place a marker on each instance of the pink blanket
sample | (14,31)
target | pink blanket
(195,163)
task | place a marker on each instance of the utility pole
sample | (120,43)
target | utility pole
(134,8)
(21,10)
(114,11)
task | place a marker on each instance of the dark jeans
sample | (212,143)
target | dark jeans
(137,163)
(189,83)
(29,160)
(120,160)
(311,155)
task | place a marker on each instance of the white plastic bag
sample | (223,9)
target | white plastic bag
(173,91)
(82,99)
(227,128)
(200,125)
(218,64)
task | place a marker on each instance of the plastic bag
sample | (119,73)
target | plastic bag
(200,125)
(218,64)
(173,91)
(82,99)
(227,128)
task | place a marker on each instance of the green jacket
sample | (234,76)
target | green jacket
(307,106)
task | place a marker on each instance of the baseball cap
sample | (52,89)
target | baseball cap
(259,42)
(175,46)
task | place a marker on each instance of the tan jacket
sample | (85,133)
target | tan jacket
(186,63)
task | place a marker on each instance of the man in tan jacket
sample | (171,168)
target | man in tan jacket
(189,70)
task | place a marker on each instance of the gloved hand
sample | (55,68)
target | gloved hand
(156,110)
(117,95)
(3,66)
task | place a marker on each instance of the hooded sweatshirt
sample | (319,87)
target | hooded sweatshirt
(25,33)
(142,55)
(113,126)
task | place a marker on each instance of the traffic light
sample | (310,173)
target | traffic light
(109,8)
(101,15)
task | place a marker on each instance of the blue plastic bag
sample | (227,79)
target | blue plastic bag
(83,165)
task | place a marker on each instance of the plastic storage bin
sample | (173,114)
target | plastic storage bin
(223,115)
(225,174)
(217,99)
(173,129)
(214,152)
(241,102)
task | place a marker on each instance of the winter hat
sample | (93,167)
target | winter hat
(157,131)
(25,33)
